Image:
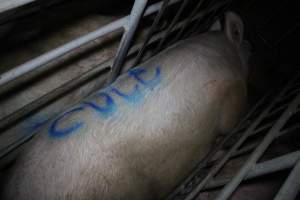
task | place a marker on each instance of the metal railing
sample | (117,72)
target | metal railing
(129,25)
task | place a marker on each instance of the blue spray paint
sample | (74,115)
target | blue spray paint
(56,132)
(133,97)
(35,122)
(110,107)
(105,111)
(136,73)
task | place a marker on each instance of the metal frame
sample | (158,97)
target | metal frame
(129,25)
(201,180)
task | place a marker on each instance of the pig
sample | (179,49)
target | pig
(140,136)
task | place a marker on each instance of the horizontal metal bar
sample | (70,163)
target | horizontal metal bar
(66,48)
(260,169)
(291,187)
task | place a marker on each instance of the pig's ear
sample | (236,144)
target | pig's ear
(234,28)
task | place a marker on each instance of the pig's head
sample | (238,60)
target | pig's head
(234,31)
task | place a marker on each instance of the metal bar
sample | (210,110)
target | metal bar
(6,5)
(194,28)
(208,12)
(179,34)
(277,109)
(217,168)
(291,129)
(291,187)
(244,150)
(236,154)
(232,185)
(264,127)
(267,167)
(151,31)
(130,29)
(178,14)
(66,48)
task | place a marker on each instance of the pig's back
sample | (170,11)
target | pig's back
(147,144)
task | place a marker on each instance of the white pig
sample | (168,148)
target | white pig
(140,136)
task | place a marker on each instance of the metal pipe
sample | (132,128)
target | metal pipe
(151,31)
(176,18)
(267,167)
(291,187)
(195,10)
(232,185)
(130,29)
(66,48)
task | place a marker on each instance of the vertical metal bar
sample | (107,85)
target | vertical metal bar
(291,187)
(178,14)
(233,184)
(134,19)
(151,31)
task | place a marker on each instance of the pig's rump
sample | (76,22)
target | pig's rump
(139,137)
